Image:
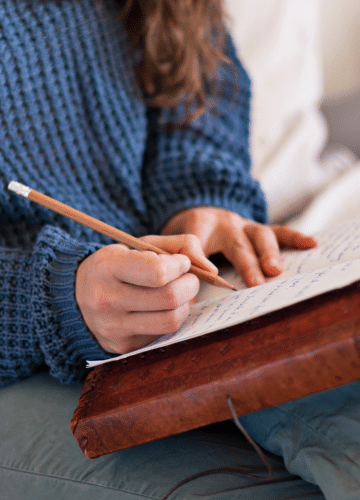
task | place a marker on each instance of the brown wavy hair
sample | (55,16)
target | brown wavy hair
(182,43)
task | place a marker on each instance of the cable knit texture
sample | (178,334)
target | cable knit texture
(73,125)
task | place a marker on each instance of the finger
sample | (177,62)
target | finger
(203,223)
(289,237)
(171,296)
(241,254)
(130,344)
(157,322)
(141,327)
(186,244)
(266,246)
(140,268)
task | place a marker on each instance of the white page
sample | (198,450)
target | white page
(335,263)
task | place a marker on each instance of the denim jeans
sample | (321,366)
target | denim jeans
(319,438)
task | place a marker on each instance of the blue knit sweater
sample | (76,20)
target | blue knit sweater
(73,126)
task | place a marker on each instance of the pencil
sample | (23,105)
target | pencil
(107,230)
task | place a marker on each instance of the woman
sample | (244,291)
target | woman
(75,126)
(136,113)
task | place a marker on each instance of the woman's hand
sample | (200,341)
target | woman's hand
(128,298)
(251,247)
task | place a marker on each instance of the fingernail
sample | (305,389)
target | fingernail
(257,280)
(273,262)
(313,240)
(186,263)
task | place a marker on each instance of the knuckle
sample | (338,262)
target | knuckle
(106,332)
(197,216)
(260,229)
(232,221)
(195,285)
(242,245)
(281,231)
(264,229)
(178,292)
(159,273)
(233,218)
(100,262)
(171,297)
(113,332)
(191,240)
(174,319)
(99,301)
(156,268)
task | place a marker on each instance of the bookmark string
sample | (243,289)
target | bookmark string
(231,470)
(251,441)
(269,479)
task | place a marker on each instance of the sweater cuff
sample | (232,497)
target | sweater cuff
(64,337)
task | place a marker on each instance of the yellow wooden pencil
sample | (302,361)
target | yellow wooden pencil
(107,230)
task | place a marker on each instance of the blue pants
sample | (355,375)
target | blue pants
(318,437)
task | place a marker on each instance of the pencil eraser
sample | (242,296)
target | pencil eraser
(19,188)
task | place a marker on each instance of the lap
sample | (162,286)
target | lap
(41,459)
(318,436)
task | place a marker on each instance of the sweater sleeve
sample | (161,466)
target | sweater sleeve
(208,162)
(39,319)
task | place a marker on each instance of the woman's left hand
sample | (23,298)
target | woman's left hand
(253,248)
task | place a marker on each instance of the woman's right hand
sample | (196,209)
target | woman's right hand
(128,298)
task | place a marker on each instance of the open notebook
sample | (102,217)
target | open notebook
(334,263)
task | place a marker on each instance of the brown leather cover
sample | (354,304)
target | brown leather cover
(303,349)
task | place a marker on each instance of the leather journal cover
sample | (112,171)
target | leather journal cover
(302,349)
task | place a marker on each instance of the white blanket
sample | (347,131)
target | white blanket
(338,203)
(279,42)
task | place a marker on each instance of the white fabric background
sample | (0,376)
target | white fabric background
(340,33)
(287,47)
